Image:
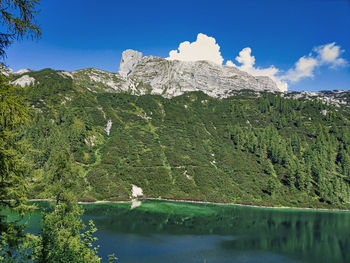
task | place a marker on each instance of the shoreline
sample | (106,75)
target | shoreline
(203,202)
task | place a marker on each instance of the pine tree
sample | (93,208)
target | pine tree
(18,19)
(13,171)
(61,237)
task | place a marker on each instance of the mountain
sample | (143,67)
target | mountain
(154,75)
(125,129)
(172,77)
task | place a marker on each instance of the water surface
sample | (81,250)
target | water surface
(160,231)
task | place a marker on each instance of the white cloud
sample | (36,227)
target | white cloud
(324,55)
(330,54)
(230,63)
(304,67)
(204,48)
(247,60)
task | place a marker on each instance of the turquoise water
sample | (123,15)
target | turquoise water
(159,231)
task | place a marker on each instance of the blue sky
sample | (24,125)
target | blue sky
(84,33)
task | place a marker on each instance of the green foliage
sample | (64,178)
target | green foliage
(61,237)
(18,19)
(13,173)
(62,177)
(266,150)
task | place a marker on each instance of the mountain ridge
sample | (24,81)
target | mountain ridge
(261,148)
(140,75)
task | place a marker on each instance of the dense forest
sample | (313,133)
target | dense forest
(254,148)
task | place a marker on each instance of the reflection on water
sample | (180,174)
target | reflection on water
(135,203)
(158,231)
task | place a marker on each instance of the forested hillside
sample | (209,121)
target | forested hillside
(256,148)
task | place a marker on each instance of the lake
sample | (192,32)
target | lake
(162,231)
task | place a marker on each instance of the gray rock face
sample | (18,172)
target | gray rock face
(129,59)
(154,75)
(172,78)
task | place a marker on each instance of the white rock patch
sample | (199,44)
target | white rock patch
(66,74)
(90,140)
(136,191)
(24,81)
(187,176)
(324,112)
(109,126)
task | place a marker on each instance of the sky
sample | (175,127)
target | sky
(302,45)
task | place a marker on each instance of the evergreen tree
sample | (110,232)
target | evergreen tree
(13,171)
(61,237)
(18,19)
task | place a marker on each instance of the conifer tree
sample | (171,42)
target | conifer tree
(13,170)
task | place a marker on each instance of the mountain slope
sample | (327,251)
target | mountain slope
(154,75)
(254,147)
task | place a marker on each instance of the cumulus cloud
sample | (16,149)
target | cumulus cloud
(330,54)
(246,59)
(247,62)
(204,48)
(324,55)
(304,67)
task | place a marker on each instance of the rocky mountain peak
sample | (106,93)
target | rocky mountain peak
(130,58)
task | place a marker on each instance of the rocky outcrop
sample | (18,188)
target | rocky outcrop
(24,81)
(129,59)
(172,77)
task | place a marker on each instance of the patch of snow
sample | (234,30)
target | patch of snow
(109,126)
(24,81)
(136,191)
